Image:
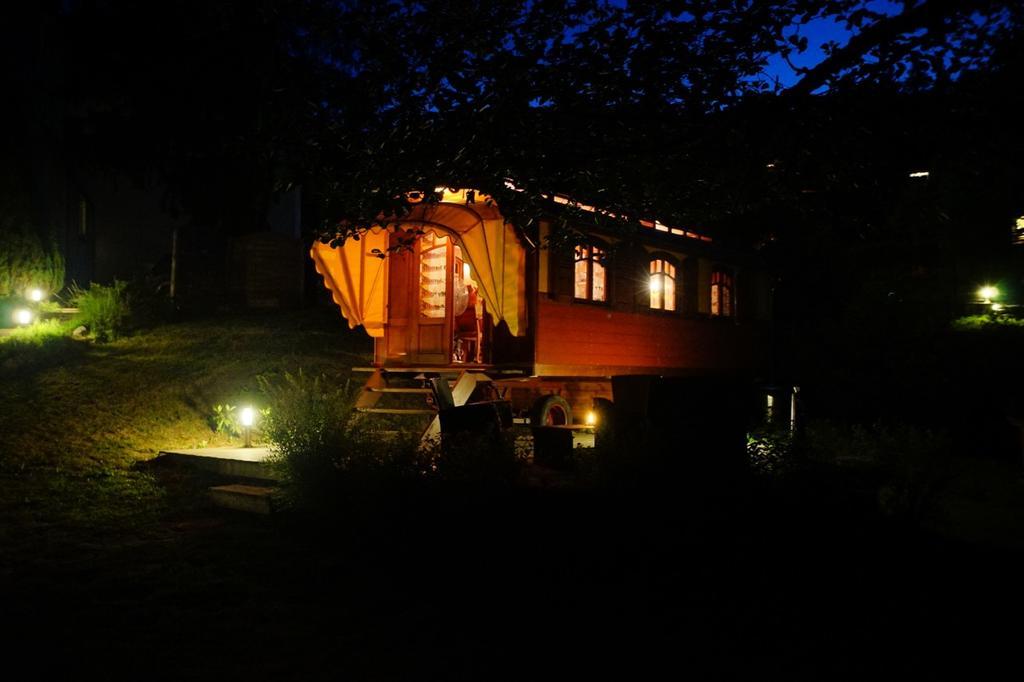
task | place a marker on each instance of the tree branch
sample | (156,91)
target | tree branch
(926,15)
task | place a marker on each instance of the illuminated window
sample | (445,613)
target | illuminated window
(662,285)
(1018,231)
(721,293)
(589,274)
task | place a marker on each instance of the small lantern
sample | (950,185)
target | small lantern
(988,292)
(23,316)
(247,417)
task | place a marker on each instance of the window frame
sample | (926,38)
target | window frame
(601,259)
(726,281)
(668,262)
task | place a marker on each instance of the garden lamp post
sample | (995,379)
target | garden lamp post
(248,416)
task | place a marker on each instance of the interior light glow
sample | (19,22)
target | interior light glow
(465,271)
(591,418)
(655,283)
(23,316)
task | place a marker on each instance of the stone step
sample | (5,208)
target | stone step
(228,462)
(394,410)
(253,499)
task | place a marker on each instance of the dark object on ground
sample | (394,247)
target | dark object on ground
(694,422)
(554,446)
(490,417)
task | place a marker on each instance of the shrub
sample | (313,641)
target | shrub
(322,456)
(771,452)
(26,260)
(224,420)
(910,464)
(304,424)
(976,323)
(318,457)
(105,311)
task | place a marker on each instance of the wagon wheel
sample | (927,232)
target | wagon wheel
(552,410)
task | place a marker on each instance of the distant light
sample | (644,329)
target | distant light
(988,292)
(35,295)
(769,166)
(919,174)
(591,418)
(996,307)
(23,316)
(247,416)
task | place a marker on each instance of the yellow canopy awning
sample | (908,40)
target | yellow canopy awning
(357,277)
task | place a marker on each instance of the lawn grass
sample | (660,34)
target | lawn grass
(97,406)
(115,564)
(78,416)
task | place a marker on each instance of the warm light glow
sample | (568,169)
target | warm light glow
(996,307)
(655,283)
(35,295)
(23,316)
(988,292)
(247,416)
(919,174)
(465,271)
(591,418)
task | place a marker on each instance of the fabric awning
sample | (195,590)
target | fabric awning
(357,278)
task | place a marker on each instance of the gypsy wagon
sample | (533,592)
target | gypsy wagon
(474,299)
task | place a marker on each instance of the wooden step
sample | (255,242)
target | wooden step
(247,498)
(374,389)
(394,410)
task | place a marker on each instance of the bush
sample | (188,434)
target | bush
(105,311)
(324,457)
(318,458)
(977,323)
(771,452)
(26,260)
(910,464)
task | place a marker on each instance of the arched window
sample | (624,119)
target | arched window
(662,285)
(721,293)
(590,277)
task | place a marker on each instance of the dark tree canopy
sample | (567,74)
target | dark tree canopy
(664,108)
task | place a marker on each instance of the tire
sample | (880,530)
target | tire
(552,410)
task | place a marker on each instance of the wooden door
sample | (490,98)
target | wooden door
(420,303)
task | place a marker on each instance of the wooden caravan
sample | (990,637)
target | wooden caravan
(474,295)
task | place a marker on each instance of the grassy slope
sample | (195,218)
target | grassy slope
(102,406)
(76,416)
